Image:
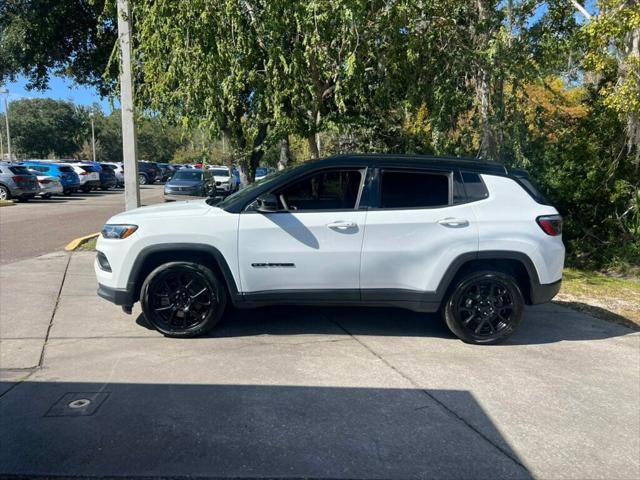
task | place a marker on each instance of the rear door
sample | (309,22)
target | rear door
(414,232)
(312,244)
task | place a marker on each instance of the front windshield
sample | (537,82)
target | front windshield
(188,175)
(220,172)
(247,191)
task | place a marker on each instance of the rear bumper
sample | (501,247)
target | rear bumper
(115,295)
(542,293)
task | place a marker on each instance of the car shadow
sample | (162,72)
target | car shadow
(232,430)
(294,227)
(538,326)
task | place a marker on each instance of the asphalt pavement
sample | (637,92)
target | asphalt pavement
(42,226)
(305,392)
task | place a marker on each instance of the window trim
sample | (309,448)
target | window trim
(363,176)
(423,171)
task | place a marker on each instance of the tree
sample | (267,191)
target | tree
(71,37)
(42,127)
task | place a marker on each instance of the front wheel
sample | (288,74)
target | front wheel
(183,299)
(484,307)
(142,179)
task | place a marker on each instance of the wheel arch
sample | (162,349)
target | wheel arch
(155,255)
(517,264)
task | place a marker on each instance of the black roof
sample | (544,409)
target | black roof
(403,160)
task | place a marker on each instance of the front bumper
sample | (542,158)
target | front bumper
(181,196)
(116,295)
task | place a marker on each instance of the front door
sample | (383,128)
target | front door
(312,243)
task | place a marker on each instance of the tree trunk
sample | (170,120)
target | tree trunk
(227,156)
(488,148)
(285,153)
(245,173)
(313,146)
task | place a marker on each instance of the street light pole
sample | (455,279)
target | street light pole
(129,147)
(93,137)
(5,92)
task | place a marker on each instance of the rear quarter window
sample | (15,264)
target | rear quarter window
(474,187)
(20,170)
(66,169)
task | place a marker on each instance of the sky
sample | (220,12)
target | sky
(66,89)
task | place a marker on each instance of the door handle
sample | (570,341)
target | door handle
(454,222)
(341,225)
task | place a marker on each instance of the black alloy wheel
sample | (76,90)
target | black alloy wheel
(484,308)
(183,299)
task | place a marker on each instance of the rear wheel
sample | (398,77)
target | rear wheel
(484,307)
(183,299)
(5,194)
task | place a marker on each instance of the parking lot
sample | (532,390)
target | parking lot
(305,392)
(54,222)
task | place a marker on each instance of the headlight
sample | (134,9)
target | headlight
(118,231)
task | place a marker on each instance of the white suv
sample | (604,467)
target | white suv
(223,179)
(464,237)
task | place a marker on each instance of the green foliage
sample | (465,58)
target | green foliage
(42,127)
(70,37)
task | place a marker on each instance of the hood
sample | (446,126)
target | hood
(221,178)
(190,208)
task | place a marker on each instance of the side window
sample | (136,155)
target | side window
(413,189)
(327,190)
(474,187)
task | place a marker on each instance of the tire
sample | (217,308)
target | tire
(5,193)
(484,308)
(66,193)
(24,199)
(47,196)
(173,291)
(142,179)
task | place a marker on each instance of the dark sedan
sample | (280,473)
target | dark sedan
(107,176)
(189,183)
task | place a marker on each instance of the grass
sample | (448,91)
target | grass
(89,246)
(612,298)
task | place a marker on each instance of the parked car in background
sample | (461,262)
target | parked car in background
(166,171)
(148,173)
(118,170)
(49,185)
(89,176)
(68,177)
(107,177)
(17,182)
(224,179)
(262,172)
(189,183)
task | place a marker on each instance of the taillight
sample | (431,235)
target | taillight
(19,179)
(550,224)
(84,173)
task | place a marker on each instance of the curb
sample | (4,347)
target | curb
(6,203)
(76,242)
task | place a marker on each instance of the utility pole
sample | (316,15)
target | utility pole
(93,137)
(129,147)
(5,92)
(1,147)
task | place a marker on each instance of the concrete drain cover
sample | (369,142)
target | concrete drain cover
(77,404)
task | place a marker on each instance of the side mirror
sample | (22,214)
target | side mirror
(267,203)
